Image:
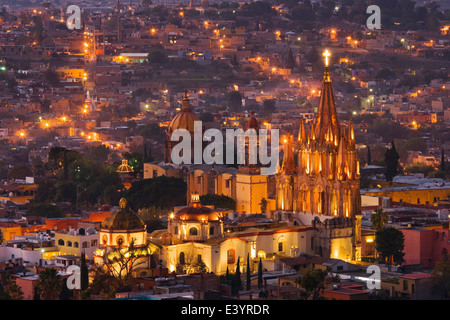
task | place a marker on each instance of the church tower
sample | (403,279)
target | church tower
(184,119)
(326,183)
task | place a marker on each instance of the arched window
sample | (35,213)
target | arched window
(211,230)
(182,258)
(231,253)
(119,240)
(193,231)
(69,243)
(61,242)
(75,244)
(443,235)
(176,230)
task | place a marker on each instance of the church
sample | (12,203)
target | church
(323,187)
(316,201)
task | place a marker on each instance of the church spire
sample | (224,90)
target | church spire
(288,165)
(301,132)
(326,114)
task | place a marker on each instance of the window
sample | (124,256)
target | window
(120,240)
(176,230)
(182,258)
(405,285)
(84,244)
(227,183)
(211,230)
(105,239)
(155,173)
(93,243)
(230,256)
(69,243)
(193,231)
(75,244)
(280,246)
(61,242)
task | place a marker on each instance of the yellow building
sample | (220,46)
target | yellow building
(123,246)
(196,233)
(10,230)
(77,241)
(419,195)
(66,73)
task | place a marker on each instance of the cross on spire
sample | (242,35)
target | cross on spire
(326,54)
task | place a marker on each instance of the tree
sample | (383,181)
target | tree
(389,242)
(269,106)
(237,278)
(84,273)
(44,209)
(14,291)
(260,274)
(49,284)
(218,201)
(441,277)
(391,159)
(248,279)
(263,205)
(314,283)
(379,219)
(235,100)
(120,262)
(161,192)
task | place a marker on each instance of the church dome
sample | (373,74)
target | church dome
(183,119)
(123,219)
(195,211)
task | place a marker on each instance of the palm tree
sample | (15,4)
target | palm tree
(379,219)
(49,284)
(14,291)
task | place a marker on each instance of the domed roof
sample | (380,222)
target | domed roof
(123,219)
(183,119)
(195,211)
(124,167)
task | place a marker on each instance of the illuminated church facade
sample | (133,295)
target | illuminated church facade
(317,195)
(322,188)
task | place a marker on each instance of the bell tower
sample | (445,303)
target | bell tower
(326,183)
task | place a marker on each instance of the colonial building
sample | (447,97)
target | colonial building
(196,238)
(323,188)
(123,246)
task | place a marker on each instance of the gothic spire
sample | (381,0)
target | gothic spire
(288,165)
(326,114)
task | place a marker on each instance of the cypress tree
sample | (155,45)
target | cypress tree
(391,158)
(260,274)
(84,273)
(248,283)
(238,276)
